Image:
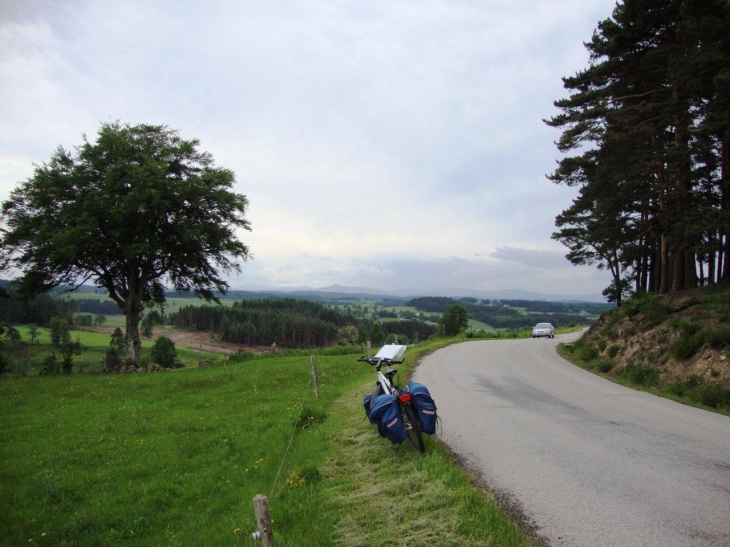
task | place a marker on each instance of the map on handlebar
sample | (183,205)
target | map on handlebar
(391,352)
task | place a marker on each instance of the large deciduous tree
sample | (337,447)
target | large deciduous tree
(137,211)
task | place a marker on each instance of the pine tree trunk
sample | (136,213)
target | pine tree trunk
(664,267)
(711,261)
(724,262)
(690,269)
(678,271)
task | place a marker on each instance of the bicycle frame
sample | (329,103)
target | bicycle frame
(403,396)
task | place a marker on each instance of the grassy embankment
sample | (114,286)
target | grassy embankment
(676,346)
(175,459)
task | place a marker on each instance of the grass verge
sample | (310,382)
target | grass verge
(692,391)
(176,458)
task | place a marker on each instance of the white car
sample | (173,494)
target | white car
(543,329)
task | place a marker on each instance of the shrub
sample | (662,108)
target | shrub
(601,344)
(655,313)
(604,366)
(68,350)
(676,323)
(613,350)
(112,361)
(391,338)
(59,330)
(687,345)
(50,366)
(241,356)
(347,334)
(676,388)
(588,352)
(713,395)
(718,338)
(690,329)
(693,381)
(649,305)
(641,375)
(164,353)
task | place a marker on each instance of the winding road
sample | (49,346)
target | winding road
(591,463)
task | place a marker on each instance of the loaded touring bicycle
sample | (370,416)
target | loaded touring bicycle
(399,414)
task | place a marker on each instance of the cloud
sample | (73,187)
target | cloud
(540,260)
(360,132)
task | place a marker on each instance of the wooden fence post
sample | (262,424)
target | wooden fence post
(263,520)
(314,376)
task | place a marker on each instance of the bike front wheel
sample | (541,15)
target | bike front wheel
(413,428)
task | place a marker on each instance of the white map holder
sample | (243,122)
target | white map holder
(391,351)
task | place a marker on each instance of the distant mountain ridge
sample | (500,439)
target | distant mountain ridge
(334,290)
(504,294)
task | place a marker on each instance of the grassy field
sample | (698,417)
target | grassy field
(95,345)
(478,325)
(175,459)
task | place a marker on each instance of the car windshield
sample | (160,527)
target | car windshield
(543,326)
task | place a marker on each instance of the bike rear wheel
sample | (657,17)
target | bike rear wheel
(413,428)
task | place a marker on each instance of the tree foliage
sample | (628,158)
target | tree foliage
(39,310)
(454,320)
(648,123)
(163,352)
(289,322)
(135,211)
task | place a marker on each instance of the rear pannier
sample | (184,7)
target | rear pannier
(425,406)
(369,399)
(384,412)
(366,404)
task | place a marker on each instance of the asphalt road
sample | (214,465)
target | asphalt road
(591,463)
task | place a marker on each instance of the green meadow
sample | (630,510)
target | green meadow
(175,459)
(95,346)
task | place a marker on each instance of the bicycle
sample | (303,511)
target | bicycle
(393,355)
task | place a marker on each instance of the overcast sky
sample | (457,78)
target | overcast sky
(385,144)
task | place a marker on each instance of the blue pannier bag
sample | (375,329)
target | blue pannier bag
(367,400)
(366,403)
(385,414)
(425,406)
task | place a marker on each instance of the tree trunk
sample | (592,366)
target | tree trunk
(664,272)
(678,271)
(643,280)
(723,265)
(711,261)
(134,342)
(690,269)
(133,309)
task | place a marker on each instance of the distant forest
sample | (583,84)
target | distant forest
(504,314)
(39,311)
(300,323)
(288,322)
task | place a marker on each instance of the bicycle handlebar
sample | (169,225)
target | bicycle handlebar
(380,361)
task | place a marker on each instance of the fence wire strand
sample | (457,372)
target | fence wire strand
(291,438)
